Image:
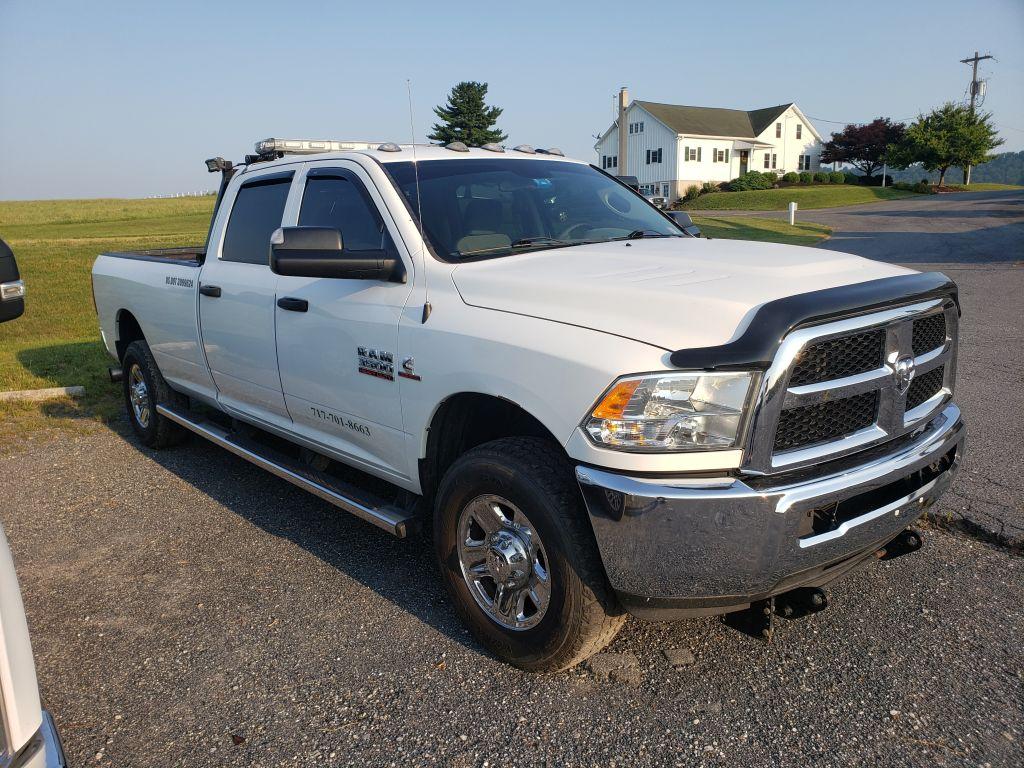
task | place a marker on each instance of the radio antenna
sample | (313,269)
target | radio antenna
(419,209)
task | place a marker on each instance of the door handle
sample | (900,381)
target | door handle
(210,290)
(293,305)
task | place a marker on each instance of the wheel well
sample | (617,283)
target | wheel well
(467,420)
(128,330)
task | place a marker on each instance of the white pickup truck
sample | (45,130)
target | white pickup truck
(595,412)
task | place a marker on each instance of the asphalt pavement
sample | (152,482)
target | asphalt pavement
(188,609)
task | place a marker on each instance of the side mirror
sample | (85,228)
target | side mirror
(320,252)
(684,222)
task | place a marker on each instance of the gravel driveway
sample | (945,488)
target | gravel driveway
(189,610)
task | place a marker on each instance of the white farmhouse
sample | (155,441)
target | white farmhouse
(669,147)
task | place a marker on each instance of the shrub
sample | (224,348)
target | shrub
(822,177)
(905,186)
(771,177)
(837,177)
(806,177)
(692,193)
(752,180)
(924,187)
(708,187)
(791,178)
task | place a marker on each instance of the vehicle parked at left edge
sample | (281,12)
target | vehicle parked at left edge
(28,737)
(12,287)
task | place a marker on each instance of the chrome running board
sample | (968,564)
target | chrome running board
(370,508)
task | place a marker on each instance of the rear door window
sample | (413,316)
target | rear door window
(257,212)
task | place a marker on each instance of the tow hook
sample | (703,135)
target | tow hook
(758,620)
(907,541)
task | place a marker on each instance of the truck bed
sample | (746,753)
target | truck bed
(191,255)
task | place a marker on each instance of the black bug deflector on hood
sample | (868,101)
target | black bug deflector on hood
(757,345)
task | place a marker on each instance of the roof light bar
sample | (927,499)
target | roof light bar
(525,148)
(456,146)
(552,151)
(310,146)
(493,147)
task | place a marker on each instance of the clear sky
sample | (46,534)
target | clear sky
(127,99)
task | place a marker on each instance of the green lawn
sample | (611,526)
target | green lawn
(983,187)
(805,198)
(56,342)
(766,230)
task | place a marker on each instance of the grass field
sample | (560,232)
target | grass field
(766,230)
(56,343)
(983,187)
(805,197)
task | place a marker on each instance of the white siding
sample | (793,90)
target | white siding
(789,148)
(680,172)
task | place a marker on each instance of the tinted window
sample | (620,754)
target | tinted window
(342,204)
(257,212)
(479,208)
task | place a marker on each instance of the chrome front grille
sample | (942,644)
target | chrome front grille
(838,387)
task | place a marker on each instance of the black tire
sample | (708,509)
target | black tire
(157,431)
(582,615)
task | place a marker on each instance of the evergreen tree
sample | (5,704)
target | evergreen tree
(467,118)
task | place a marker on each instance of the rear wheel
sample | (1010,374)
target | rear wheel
(518,556)
(145,389)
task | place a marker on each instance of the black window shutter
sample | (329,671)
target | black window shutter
(686,154)
(698,154)
(727,155)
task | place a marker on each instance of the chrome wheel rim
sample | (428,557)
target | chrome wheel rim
(138,394)
(503,562)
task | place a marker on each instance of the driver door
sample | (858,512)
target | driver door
(337,338)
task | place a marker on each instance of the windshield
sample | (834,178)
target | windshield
(480,208)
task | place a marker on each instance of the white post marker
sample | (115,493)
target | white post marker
(792,214)
(884,169)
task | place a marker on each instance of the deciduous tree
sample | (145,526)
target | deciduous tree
(863,146)
(951,135)
(467,118)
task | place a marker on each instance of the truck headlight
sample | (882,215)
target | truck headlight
(668,412)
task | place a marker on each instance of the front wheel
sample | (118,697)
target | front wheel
(519,558)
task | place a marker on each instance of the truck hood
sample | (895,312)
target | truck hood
(673,293)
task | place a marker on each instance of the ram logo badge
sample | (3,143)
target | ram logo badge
(376,362)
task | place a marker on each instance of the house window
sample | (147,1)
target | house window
(778,130)
(773,161)
(799,130)
(720,155)
(653,156)
(615,161)
(691,154)
(641,127)
(767,160)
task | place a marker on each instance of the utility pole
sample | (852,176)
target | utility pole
(974,93)
(621,168)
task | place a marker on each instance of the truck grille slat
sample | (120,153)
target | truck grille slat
(925,386)
(813,424)
(929,333)
(837,358)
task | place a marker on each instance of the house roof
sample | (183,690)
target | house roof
(712,121)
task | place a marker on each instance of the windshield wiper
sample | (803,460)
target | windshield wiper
(525,242)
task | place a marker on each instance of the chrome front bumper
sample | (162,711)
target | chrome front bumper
(691,546)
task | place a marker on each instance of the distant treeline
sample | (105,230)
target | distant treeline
(1005,168)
